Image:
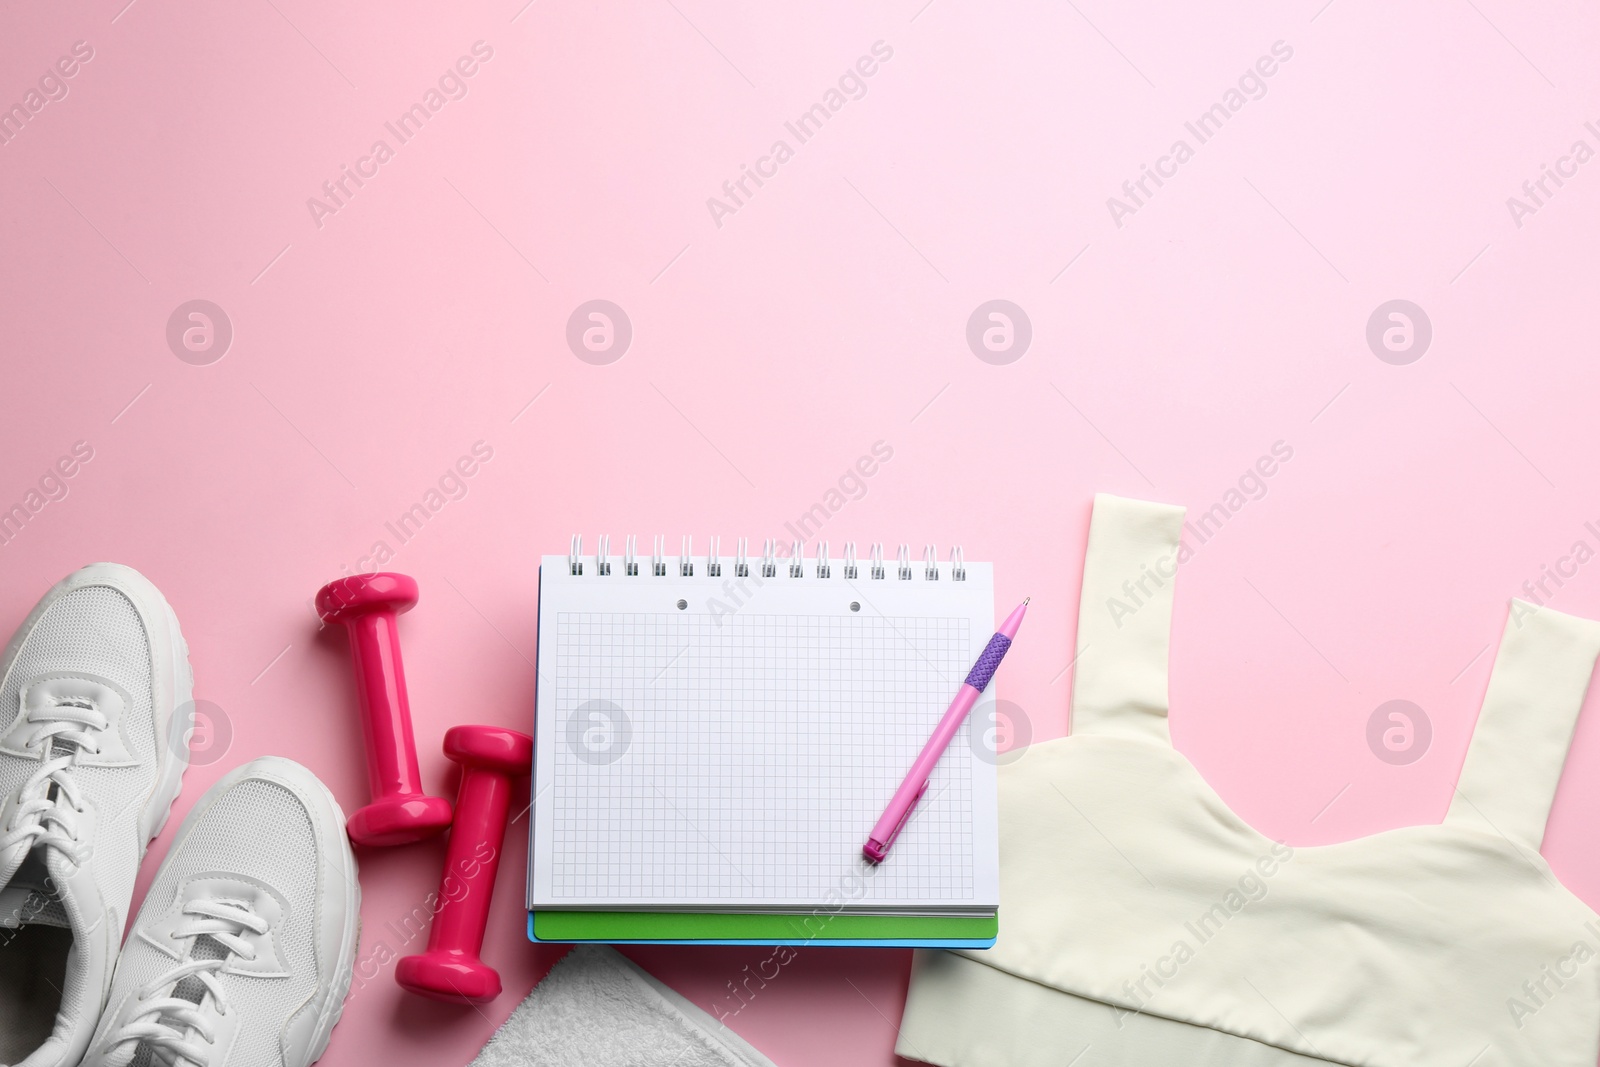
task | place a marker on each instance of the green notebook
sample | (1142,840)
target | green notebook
(714,747)
(624,926)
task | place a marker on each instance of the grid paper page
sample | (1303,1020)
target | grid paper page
(700,758)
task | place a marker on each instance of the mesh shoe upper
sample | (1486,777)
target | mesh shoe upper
(89,764)
(245,943)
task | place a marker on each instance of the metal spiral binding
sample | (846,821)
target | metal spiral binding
(849,569)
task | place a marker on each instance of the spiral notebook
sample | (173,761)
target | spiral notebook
(715,736)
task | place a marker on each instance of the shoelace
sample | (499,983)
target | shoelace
(163,1023)
(49,801)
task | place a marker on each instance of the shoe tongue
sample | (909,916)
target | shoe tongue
(192,989)
(29,896)
(11,859)
(122,1056)
(205,947)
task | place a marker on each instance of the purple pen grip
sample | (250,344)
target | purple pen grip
(989,662)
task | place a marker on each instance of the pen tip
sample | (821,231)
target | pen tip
(1026,600)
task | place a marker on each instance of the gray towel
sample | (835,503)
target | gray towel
(598,1009)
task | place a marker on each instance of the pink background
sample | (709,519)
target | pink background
(829,312)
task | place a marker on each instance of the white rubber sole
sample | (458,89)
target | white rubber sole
(333,1010)
(169,784)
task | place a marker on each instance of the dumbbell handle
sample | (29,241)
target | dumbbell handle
(385,710)
(482,808)
(367,605)
(493,759)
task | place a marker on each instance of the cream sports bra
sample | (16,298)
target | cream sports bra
(1144,923)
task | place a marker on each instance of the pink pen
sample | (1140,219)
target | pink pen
(916,784)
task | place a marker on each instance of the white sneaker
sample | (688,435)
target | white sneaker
(243,951)
(91,758)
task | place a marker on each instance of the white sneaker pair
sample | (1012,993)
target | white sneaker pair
(243,950)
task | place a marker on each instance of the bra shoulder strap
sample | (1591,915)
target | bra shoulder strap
(1514,762)
(1125,619)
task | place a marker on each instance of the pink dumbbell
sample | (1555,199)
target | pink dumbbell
(492,759)
(400,812)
